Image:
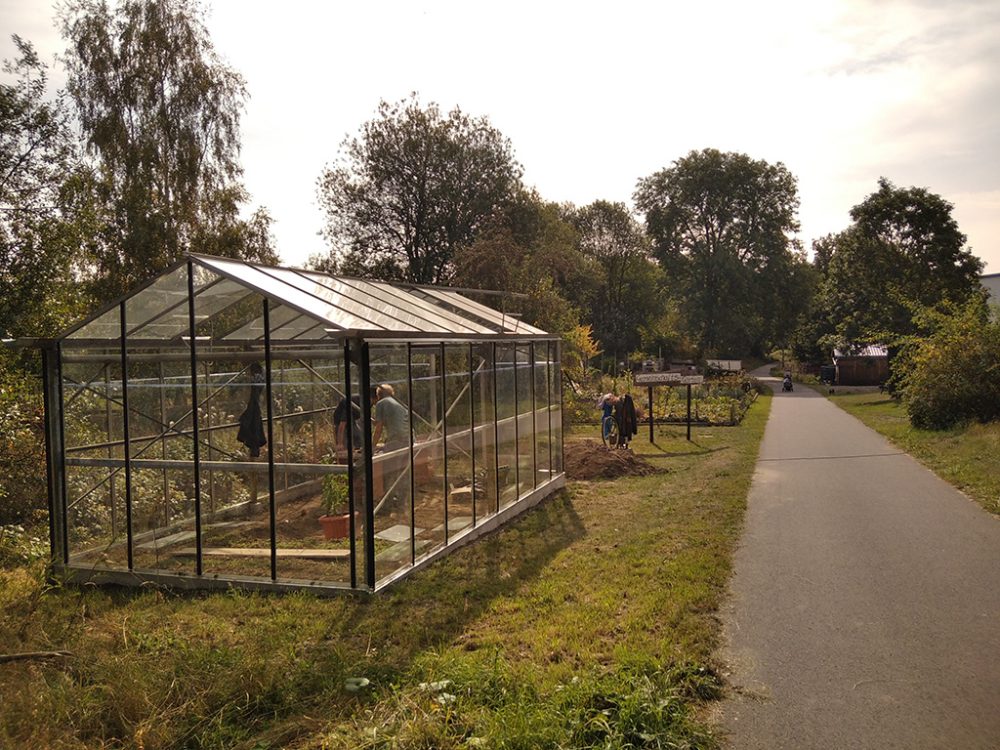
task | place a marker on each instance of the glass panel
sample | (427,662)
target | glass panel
(168,291)
(106,326)
(541,419)
(506,425)
(271,285)
(458,391)
(428,453)
(442,319)
(525,422)
(485,443)
(395,535)
(232,413)
(286,323)
(307,394)
(161,444)
(92,425)
(498,320)
(374,308)
(212,292)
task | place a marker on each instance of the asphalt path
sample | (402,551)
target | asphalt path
(864,609)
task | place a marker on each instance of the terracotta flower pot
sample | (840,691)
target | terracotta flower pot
(336,527)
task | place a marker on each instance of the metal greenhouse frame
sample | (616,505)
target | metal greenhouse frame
(197,429)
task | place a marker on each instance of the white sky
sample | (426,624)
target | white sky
(594,96)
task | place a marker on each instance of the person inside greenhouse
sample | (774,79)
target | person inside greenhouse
(340,422)
(392,421)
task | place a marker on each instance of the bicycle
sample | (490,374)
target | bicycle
(609,432)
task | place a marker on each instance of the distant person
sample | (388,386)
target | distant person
(606,404)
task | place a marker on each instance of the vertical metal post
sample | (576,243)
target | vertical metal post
(284,424)
(62,515)
(558,384)
(534,424)
(517,432)
(163,435)
(271,504)
(548,391)
(444,439)
(350,462)
(126,435)
(111,451)
(195,426)
(651,439)
(211,441)
(496,428)
(472,431)
(49,457)
(413,477)
(689,412)
(366,436)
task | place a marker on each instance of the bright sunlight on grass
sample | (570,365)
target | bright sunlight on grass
(589,622)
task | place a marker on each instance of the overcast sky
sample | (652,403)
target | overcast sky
(594,96)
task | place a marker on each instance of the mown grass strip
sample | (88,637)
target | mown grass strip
(967,456)
(589,622)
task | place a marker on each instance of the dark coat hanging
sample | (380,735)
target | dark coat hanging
(251,432)
(625,417)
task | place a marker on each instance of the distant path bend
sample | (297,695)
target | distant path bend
(865,602)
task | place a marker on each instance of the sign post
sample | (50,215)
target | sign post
(649,379)
(650,388)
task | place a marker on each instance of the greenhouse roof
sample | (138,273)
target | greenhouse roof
(304,306)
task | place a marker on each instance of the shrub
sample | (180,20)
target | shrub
(23,492)
(953,375)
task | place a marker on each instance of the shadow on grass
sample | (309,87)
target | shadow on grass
(437,602)
(702,450)
(427,610)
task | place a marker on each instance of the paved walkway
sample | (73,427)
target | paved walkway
(865,602)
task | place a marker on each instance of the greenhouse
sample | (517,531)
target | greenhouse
(232,424)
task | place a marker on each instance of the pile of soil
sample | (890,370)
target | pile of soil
(588,459)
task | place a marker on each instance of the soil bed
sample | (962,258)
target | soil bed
(588,459)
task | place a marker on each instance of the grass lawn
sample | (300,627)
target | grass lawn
(589,622)
(967,457)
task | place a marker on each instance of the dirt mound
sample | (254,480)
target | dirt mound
(588,459)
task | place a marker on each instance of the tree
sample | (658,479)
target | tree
(626,294)
(722,226)
(952,374)
(530,250)
(413,187)
(160,114)
(44,199)
(904,253)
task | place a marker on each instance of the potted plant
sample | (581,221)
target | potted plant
(335,504)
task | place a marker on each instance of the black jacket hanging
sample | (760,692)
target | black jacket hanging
(625,417)
(251,432)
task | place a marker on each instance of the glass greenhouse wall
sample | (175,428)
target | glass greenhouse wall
(218,427)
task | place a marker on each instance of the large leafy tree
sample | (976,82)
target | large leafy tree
(722,225)
(531,251)
(160,114)
(411,188)
(45,202)
(626,294)
(903,253)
